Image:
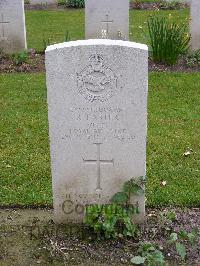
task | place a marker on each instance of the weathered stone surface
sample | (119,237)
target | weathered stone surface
(107,19)
(97,106)
(195,24)
(12,26)
(34,2)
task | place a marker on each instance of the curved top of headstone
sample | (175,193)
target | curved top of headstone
(97,42)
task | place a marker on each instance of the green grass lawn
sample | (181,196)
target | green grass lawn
(173,127)
(42,25)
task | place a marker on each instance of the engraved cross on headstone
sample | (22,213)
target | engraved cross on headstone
(2,22)
(98,162)
(107,21)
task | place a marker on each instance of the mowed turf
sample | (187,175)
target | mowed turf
(173,128)
(45,26)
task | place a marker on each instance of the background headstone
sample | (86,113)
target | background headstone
(12,26)
(195,24)
(34,2)
(97,107)
(107,19)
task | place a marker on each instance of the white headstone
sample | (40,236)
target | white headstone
(107,19)
(97,107)
(12,26)
(195,24)
(36,2)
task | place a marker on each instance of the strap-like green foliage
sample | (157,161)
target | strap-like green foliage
(168,40)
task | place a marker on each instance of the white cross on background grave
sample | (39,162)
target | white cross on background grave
(98,162)
(3,23)
(107,21)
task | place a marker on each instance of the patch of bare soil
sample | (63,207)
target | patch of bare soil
(181,66)
(29,237)
(158,6)
(36,63)
(133,5)
(43,7)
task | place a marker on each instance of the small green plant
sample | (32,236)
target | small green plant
(76,3)
(166,218)
(179,239)
(62,2)
(132,186)
(20,58)
(149,255)
(27,2)
(193,59)
(171,215)
(111,220)
(168,40)
(115,219)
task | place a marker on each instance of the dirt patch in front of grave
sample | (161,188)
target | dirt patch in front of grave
(43,6)
(181,66)
(36,63)
(29,237)
(133,5)
(158,6)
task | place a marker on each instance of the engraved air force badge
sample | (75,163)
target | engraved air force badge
(97,82)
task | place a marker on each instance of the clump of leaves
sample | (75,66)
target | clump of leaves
(20,58)
(62,2)
(193,59)
(115,219)
(181,238)
(132,186)
(168,40)
(167,218)
(111,220)
(171,216)
(76,3)
(149,255)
